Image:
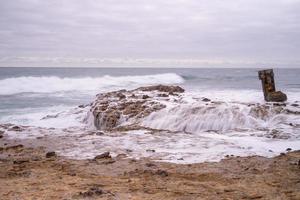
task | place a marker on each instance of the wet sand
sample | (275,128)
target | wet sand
(31,173)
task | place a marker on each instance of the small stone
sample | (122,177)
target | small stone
(15,128)
(282,154)
(105,155)
(99,133)
(145,96)
(150,150)
(163,95)
(206,99)
(289,149)
(94,191)
(21,161)
(162,173)
(295,105)
(50,154)
(150,165)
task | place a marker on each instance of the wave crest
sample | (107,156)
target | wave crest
(51,84)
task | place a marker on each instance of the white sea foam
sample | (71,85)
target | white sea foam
(195,116)
(55,116)
(56,84)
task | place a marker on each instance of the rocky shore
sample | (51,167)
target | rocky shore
(33,173)
(119,158)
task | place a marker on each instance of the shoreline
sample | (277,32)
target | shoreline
(32,173)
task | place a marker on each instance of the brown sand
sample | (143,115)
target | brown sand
(26,173)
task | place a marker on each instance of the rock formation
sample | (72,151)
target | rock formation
(112,108)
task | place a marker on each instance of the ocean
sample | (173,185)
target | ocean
(49,98)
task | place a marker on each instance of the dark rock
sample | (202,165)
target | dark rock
(163,95)
(162,173)
(289,149)
(277,96)
(206,99)
(15,128)
(105,155)
(108,109)
(150,150)
(21,161)
(121,96)
(295,105)
(50,154)
(150,165)
(99,133)
(94,191)
(145,96)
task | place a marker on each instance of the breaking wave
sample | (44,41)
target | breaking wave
(195,118)
(52,84)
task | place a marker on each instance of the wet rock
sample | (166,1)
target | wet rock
(50,154)
(289,149)
(104,155)
(162,95)
(145,96)
(295,105)
(206,99)
(15,128)
(277,96)
(150,150)
(99,133)
(112,108)
(121,96)
(162,88)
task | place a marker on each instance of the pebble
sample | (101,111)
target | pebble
(50,154)
(104,155)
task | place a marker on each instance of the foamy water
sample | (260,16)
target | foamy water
(195,131)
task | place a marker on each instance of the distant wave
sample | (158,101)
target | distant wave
(49,84)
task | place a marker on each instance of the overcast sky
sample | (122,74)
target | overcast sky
(158,33)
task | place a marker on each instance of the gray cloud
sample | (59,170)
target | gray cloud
(216,31)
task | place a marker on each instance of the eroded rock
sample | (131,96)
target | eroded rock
(111,109)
